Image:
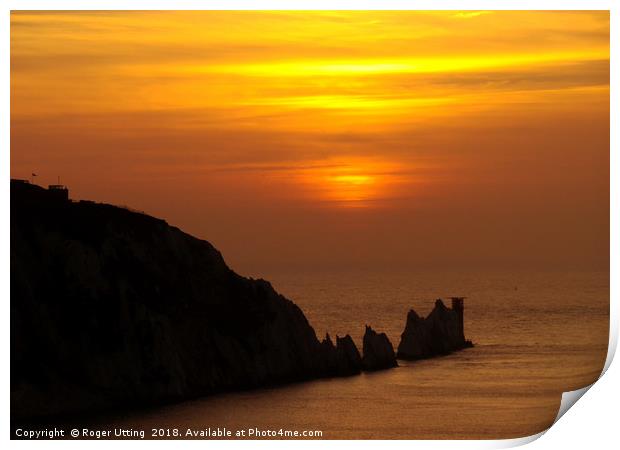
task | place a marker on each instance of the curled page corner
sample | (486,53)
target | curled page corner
(569,399)
(517,442)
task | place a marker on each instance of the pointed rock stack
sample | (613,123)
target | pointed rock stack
(341,359)
(349,359)
(378,351)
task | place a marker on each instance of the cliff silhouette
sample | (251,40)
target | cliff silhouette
(112,307)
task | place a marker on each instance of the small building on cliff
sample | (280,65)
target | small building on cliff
(58,192)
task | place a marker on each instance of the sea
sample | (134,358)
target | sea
(536,335)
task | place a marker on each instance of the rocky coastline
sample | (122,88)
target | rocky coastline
(113,308)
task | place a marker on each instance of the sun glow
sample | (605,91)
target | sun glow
(352,183)
(352,190)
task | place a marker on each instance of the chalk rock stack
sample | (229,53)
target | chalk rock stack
(378,351)
(341,359)
(349,359)
(438,334)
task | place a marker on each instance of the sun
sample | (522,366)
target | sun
(355,180)
(351,189)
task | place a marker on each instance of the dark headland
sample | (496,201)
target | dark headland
(114,308)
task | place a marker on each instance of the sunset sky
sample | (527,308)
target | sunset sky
(330,139)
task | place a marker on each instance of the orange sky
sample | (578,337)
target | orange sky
(329,139)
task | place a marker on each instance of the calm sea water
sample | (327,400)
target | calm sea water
(536,335)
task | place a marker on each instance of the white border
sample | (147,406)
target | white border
(597,414)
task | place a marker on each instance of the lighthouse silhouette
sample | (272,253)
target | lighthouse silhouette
(458,307)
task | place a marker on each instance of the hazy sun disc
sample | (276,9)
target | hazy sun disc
(355,180)
(352,190)
(351,183)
